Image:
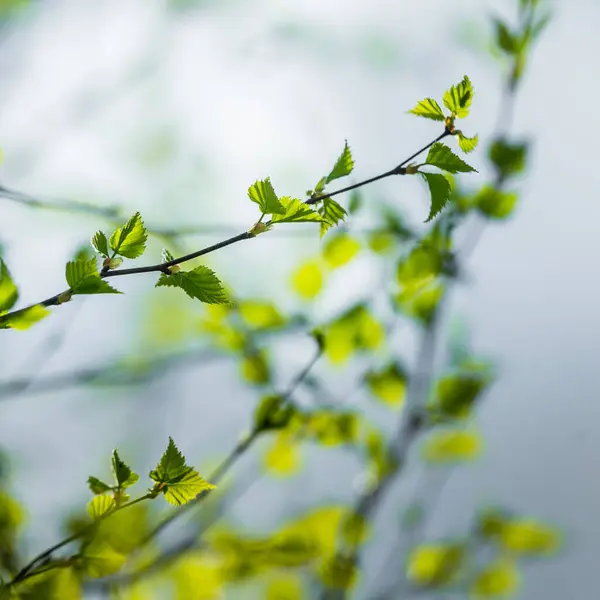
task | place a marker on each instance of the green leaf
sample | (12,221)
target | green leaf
(97,486)
(99,505)
(527,537)
(429,109)
(181,483)
(456,394)
(255,368)
(100,559)
(509,159)
(100,243)
(24,319)
(435,565)
(264,195)
(443,158)
(332,428)
(130,239)
(307,280)
(499,579)
(83,278)
(467,144)
(9,293)
(505,39)
(296,211)
(459,98)
(450,446)
(171,465)
(495,204)
(355,202)
(343,165)
(388,385)
(273,412)
(186,487)
(200,283)
(440,190)
(123,474)
(340,250)
(166,256)
(332,214)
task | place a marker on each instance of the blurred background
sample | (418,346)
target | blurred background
(174,108)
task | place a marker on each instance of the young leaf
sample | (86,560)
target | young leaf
(459,97)
(296,211)
(307,280)
(255,368)
(24,319)
(467,144)
(505,39)
(9,293)
(388,385)
(499,579)
(97,486)
(508,158)
(451,446)
(264,195)
(495,204)
(181,483)
(171,465)
(99,559)
(100,505)
(443,158)
(440,189)
(166,256)
(130,239)
(83,278)
(343,166)
(429,109)
(100,243)
(200,283)
(186,487)
(123,474)
(273,412)
(435,565)
(340,250)
(332,214)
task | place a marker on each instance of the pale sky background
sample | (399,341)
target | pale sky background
(234,91)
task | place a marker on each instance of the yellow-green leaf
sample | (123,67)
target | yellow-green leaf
(343,166)
(255,368)
(283,458)
(435,565)
(443,158)
(498,580)
(100,559)
(200,283)
(284,587)
(307,280)
(25,318)
(495,204)
(459,98)
(264,195)
(529,538)
(99,505)
(452,446)
(332,213)
(186,487)
(130,239)
(467,144)
(429,109)
(9,293)
(340,250)
(333,428)
(296,211)
(260,314)
(440,190)
(388,385)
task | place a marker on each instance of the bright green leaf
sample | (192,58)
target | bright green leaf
(495,204)
(381,241)
(100,243)
(440,190)
(186,487)
(83,278)
(100,504)
(332,428)
(526,537)
(200,283)
(456,394)
(97,486)
(429,109)
(9,293)
(459,98)
(307,280)
(123,474)
(283,458)
(100,559)
(296,211)
(273,412)
(450,446)
(467,144)
(340,250)
(130,239)
(388,385)
(264,195)
(332,213)
(443,158)
(436,565)
(499,579)
(25,318)
(260,315)
(255,368)
(343,166)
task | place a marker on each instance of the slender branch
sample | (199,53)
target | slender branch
(246,235)
(26,571)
